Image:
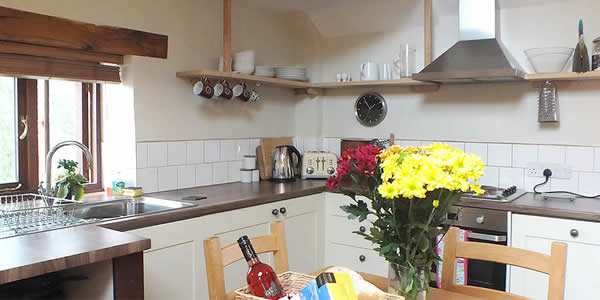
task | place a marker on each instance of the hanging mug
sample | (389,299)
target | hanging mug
(227,92)
(218,90)
(207,90)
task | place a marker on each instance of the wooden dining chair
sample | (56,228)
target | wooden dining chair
(553,265)
(218,258)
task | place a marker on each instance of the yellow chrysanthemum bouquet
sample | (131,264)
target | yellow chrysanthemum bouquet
(410,191)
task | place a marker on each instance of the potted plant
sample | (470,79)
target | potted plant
(70,184)
(409,191)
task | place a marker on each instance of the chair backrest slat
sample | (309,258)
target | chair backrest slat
(217,258)
(553,265)
(505,255)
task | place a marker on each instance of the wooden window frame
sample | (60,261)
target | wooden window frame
(28,180)
(91,134)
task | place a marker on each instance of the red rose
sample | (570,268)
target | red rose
(333,183)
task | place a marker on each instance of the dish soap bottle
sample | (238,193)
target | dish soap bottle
(581,58)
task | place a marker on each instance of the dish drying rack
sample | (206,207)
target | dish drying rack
(30,213)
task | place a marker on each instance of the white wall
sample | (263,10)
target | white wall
(165,108)
(486,113)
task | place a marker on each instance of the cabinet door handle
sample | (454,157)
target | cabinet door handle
(275,212)
(282,210)
(362,258)
(574,233)
(362,229)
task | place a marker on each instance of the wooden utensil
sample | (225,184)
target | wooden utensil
(267,146)
(261,164)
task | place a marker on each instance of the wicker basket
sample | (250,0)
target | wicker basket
(292,283)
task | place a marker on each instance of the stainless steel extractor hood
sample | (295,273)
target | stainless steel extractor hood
(479,56)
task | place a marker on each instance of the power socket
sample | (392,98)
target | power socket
(558,171)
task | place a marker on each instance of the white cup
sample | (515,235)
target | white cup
(198,87)
(249,162)
(255,175)
(246,176)
(238,89)
(218,88)
(386,72)
(338,77)
(344,77)
(221,63)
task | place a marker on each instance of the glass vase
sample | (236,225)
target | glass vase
(409,282)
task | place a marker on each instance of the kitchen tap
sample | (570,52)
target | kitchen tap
(46,188)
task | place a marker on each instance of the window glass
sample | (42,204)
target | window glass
(65,120)
(8,131)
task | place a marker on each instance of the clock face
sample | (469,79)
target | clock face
(370,109)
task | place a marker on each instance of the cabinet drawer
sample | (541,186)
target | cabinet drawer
(349,257)
(558,229)
(334,201)
(339,230)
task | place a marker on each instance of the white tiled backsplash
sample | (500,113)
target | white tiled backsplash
(163,166)
(506,163)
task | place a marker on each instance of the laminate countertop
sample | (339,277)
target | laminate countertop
(232,196)
(220,198)
(45,252)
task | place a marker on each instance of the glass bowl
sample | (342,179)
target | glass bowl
(550,59)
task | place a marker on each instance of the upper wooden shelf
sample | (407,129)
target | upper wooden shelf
(415,85)
(563,76)
(197,75)
(370,83)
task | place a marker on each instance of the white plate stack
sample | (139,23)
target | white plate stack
(291,73)
(243,62)
(265,71)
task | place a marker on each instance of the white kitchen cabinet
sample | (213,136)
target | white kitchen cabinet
(583,255)
(175,266)
(169,273)
(345,248)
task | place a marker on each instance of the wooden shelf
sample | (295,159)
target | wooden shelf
(373,83)
(198,75)
(563,76)
(317,88)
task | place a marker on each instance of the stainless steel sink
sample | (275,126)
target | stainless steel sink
(113,209)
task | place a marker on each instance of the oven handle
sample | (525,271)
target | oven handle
(487,237)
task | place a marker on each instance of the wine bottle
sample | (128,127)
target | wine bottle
(262,280)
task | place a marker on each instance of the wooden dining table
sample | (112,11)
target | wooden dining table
(436,294)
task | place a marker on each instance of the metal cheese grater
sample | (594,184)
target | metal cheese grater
(548,103)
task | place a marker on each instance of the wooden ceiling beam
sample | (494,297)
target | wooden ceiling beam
(25,66)
(31,28)
(60,53)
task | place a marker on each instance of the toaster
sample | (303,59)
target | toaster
(318,165)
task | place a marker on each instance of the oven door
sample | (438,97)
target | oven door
(486,274)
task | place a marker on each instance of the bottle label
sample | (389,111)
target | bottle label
(274,290)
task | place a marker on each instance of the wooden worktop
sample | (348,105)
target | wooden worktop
(36,254)
(233,196)
(220,198)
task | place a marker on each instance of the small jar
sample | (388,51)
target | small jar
(596,55)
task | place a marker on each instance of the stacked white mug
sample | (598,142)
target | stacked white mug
(249,172)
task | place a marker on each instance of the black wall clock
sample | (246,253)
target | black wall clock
(370,109)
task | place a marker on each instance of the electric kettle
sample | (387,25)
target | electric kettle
(285,167)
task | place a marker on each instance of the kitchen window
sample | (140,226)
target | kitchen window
(35,115)
(69,110)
